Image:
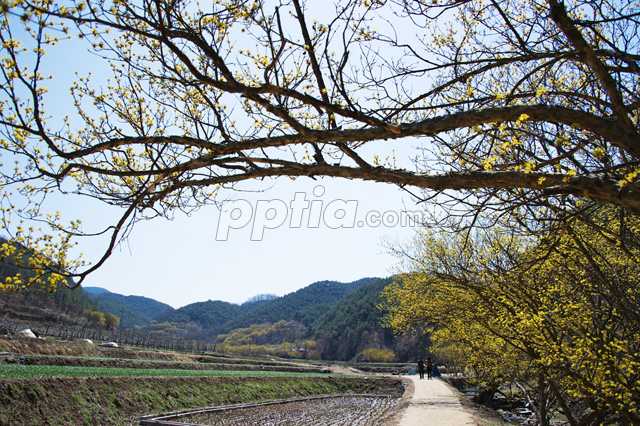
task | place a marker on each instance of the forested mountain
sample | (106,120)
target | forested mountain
(354,323)
(330,319)
(210,315)
(327,318)
(303,306)
(129,316)
(132,310)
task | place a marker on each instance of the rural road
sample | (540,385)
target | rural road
(435,403)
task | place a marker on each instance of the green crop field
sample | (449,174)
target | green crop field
(17,371)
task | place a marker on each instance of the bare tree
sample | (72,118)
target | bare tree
(519,106)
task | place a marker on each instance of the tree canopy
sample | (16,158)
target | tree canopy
(558,318)
(516,106)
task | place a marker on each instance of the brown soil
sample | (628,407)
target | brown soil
(344,410)
(57,352)
(142,364)
(121,401)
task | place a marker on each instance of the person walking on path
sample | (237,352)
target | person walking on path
(429,365)
(421,365)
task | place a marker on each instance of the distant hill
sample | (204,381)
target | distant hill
(354,322)
(339,320)
(95,290)
(327,319)
(343,320)
(210,315)
(303,306)
(258,300)
(132,310)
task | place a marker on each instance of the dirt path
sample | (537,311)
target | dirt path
(435,403)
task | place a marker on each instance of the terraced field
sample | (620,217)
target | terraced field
(351,410)
(69,383)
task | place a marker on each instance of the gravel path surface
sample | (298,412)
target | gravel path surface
(336,411)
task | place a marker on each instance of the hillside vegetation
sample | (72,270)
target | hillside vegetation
(35,307)
(132,310)
(325,320)
(303,306)
(354,324)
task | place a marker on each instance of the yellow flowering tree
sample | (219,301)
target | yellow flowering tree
(558,317)
(111,321)
(514,103)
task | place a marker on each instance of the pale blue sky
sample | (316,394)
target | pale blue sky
(180,262)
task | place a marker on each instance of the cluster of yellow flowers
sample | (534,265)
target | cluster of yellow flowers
(562,309)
